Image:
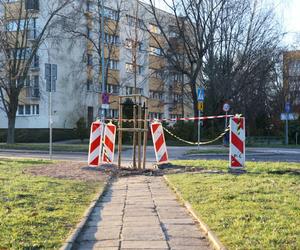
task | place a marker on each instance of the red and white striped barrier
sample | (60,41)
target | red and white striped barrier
(237,143)
(159,143)
(95,144)
(109,143)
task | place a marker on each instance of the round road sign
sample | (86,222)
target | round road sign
(226,107)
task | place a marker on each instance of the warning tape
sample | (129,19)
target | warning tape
(196,143)
(176,119)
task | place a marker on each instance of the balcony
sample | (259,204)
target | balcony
(35,65)
(32,92)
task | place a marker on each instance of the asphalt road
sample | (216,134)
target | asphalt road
(252,154)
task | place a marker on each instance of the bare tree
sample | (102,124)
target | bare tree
(84,22)
(187,36)
(19,44)
(241,58)
(229,47)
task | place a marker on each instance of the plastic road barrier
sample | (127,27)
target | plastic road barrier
(95,144)
(237,143)
(109,143)
(159,143)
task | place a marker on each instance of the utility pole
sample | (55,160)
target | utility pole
(51,77)
(103,60)
(287,112)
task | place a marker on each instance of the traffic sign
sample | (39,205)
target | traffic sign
(200,106)
(226,107)
(289,116)
(287,107)
(54,72)
(105,106)
(48,71)
(50,76)
(105,98)
(201,95)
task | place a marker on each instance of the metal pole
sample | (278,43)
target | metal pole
(199,129)
(296,138)
(226,121)
(50,121)
(102,55)
(50,109)
(286,130)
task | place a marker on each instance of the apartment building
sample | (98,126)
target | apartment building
(291,78)
(77,53)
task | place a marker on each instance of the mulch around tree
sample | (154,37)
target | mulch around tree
(69,170)
(80,171)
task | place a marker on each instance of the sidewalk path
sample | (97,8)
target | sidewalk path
(140,213)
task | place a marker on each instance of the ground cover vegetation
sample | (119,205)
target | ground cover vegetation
(38,211)
(257,210)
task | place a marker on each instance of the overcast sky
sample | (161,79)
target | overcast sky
(288,13)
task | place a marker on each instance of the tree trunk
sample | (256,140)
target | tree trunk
(11,129)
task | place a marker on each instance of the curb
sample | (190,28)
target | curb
(69,242)
(217,244)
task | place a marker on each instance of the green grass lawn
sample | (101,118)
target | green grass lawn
(45,147)
(257,210)
(39,212)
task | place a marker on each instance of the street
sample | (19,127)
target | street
(175,153)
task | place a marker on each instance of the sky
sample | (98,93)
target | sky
(288,12)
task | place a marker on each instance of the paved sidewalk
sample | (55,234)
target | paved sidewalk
(140,213)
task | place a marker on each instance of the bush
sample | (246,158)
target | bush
(81,130)
(39,135)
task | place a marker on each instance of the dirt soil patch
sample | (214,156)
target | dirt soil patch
(69,170)
(80,171)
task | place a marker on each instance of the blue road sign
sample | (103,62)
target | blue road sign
(287,107)
(201,94)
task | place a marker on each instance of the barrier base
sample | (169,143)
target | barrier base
(237,171)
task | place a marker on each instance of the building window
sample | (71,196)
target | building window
(112,64)
(112,113)
(155,51)
(28,110)
(110,13)
(28,82)
(112,89)
(130,90)
(158,95)
(88,32)
(36,86)
(133,22)
(111,39)
(89,59)
(155,73)
(155,115)
(129,45)
(89,84)
(32,5)
(154,29)
(130,69)
(177,77)
(21,110)
(176,97)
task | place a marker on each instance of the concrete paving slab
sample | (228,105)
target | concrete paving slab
(144,245)
(140,212)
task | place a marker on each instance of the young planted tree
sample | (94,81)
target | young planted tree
(20,40)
